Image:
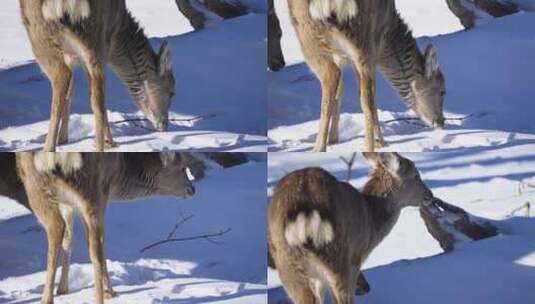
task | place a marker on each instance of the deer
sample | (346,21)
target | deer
(60,185)
(321,230)
(367,35)
(96,34)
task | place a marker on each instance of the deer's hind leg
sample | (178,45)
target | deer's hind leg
(329,75)
(55,228)
(299,288)
(60,75)
(343,287)
(65,115)
(335,117)
(67,213)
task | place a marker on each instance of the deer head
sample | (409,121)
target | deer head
(159,89)
(429,90)
(396,179)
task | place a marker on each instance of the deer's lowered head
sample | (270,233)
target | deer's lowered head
(396,180)
(152,174)
(429,89)
(158,89)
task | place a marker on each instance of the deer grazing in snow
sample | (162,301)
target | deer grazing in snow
(96,33)
(61,184)
(320,230)
(366,34)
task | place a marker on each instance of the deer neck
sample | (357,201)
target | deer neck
(132,181)
(401,60)
(383,210)
(133,59)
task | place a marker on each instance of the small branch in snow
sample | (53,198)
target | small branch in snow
(349,163)
(178,224)
(526,206)
(523,185)
(415,120)
(208,237)
(193,119)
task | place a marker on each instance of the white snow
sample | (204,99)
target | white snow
(184,272)
(489,76)
(408,267)
(219,71)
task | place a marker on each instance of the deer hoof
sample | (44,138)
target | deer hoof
(63,140)
(109,144)
(319,149)
(62,291)
(333,140)
(109,293)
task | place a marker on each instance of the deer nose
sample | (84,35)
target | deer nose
(428,196)
(439,123)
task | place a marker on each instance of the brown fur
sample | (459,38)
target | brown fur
(55,195)
(360,220)
(105,34)
(374,36)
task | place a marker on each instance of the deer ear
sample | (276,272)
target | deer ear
(165,60)
(391,161)
(431,60)
(372,158)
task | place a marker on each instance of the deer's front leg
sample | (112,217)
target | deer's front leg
(329,76)
(367,100)
(379,139)
(97,86)
(94,228)
(108,289)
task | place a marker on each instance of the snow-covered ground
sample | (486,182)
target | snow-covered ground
(220,74)
(489,75)
(408,267)
(200,271)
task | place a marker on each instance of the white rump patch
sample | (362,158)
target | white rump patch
(299,231)
(46,162)
(77,10)
(322,10)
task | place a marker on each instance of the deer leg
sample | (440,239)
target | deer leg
(367,100)
(329,78)
(94,223)
(108,289)
(67,245)
(96,91)
(297,285)
(343,289)
(65,114)
(335,118)
(60,80)
(55,228)
(379,139)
